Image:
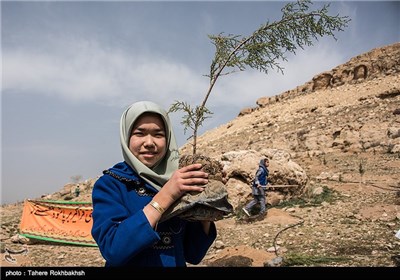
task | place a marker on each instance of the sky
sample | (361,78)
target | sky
(69,70)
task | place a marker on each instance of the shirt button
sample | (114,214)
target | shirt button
(166,240)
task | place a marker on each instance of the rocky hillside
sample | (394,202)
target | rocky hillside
(288,120)
(334,198)
(331,131)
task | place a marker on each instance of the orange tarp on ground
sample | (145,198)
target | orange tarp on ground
(59,221)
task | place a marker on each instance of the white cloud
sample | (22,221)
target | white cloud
(96,74)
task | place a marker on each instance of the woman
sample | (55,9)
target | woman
(258,188)
(130,198)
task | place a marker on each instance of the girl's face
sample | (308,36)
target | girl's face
(148,141)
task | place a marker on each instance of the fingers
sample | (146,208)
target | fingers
(194,175)
(186,179)
(195,179)
(190,167)
(193,171)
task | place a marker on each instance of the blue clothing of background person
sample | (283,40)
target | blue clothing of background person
(258,188)
(130,197)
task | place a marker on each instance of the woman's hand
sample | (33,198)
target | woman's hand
(186,179)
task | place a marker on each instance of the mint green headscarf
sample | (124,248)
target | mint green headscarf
(158,175)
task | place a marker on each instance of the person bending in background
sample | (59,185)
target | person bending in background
(258,188)
(130,197)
